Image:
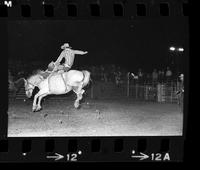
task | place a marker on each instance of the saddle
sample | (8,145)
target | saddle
(46,74)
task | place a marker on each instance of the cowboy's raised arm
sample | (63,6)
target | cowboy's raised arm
(80,52)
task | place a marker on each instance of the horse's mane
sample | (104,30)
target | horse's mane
(35,73)
(19,82)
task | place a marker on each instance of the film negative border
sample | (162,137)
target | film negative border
(75,149)
(101,9)
(119,149)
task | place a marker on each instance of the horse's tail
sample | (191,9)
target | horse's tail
(91,79)
(87,78)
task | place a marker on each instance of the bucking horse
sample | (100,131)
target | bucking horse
(57,84)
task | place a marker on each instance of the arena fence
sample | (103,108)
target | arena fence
(160,92)
(156,92)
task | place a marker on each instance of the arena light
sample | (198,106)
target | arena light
(172,48)
(181,49)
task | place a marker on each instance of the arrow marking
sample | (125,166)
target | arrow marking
(56,157)
(142,156)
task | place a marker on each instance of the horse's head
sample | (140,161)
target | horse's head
(29,87)
(31,83)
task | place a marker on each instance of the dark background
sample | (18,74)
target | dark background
(129,43)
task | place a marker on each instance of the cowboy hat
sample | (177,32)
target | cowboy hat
(66,45)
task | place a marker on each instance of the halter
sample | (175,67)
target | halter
(30,88)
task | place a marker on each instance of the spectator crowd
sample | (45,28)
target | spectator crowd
(105,73)
(112,73)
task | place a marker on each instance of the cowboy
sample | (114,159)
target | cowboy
(180,92)
(68,54)
(168,74)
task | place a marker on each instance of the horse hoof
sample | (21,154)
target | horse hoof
(34,109)
(76,106)
(38,109)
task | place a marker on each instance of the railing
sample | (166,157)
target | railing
(128,87)
(157,92)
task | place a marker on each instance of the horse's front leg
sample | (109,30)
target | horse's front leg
(34,102)
(39,101)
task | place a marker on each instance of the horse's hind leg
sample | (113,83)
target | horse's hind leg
(79,97)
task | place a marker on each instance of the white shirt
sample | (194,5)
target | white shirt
(69,55)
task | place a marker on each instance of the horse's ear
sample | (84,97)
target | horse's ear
(25,81)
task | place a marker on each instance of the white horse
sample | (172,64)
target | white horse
(57,83)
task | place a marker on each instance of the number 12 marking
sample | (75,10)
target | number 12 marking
(72,157)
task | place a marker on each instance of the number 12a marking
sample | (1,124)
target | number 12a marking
(158,157)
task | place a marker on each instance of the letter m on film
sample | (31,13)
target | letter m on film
(8,3)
